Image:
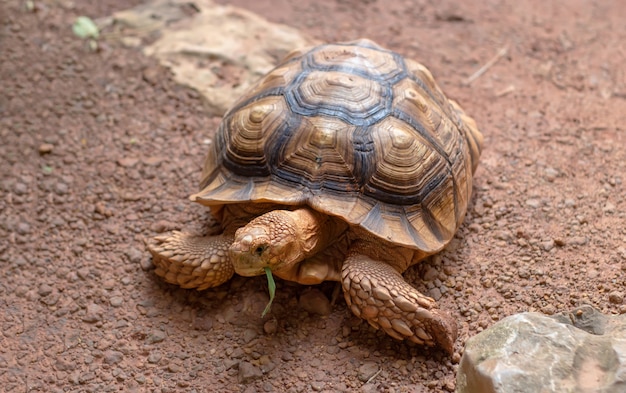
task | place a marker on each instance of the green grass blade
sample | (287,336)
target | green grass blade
(272,287)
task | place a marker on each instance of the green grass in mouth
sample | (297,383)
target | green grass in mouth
(272,287)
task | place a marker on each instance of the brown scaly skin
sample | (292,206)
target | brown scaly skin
(192,261)
(288,242)
(375,291)
(281,240)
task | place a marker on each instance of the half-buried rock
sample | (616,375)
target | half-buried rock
(580,351)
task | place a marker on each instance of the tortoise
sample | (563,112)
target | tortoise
(347,163)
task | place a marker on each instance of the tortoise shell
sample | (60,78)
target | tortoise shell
(354,131)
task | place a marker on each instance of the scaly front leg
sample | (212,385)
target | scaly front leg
(199,262)
(378,293)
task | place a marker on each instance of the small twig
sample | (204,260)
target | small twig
(501,53)
(374,376)
(505,91)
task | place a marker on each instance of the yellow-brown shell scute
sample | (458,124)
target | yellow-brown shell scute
(354,131)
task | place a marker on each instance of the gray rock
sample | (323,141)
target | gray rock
(134,254)
(367,370)
(93,314)
(249,372)
(154,357)
(156,336)
(577,351)
(113,357)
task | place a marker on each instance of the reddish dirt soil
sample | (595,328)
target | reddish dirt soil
(100,150)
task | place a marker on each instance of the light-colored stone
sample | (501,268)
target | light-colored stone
(577,351)
(219,50)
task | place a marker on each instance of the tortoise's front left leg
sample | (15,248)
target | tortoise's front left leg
(378,293)
(190,261)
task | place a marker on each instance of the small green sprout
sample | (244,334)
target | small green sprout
(84,27)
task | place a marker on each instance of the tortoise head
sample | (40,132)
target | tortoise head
(270,240)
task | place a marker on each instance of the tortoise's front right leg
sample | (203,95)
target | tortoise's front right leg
(190,261)
(378,293)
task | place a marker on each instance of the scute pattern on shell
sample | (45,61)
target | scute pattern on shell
(354,131)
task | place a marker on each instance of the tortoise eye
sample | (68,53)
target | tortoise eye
(260,249)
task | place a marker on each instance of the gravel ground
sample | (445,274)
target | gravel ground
(100,150)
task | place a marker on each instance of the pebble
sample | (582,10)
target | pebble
(367,371)
(156,336)
(94,313)
(44,290)
(128,162)
(523,272)
(430,274)
(23,228)
(270,326)
(174,368)
(162,226)
(577,240)
(108,284)
(616,297)
(548,245)
(435,293)
(151,75)
(154,357)
(61,188)
(134,255)
(533,202)
(86,377)
(551,174)
(369,388)
(146,264)
(248,372)
(153,160)
(204,323)
(315,302)
(20,261)
(20,189)
(609,208)
(45,148)
(116,301)
(249,335)
(83,273)
(113,357)
(21,290)
(266,364)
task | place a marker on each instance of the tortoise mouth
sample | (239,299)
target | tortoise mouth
(257,247)
(250,264)
(249,255)
(253,252)
(248,268)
